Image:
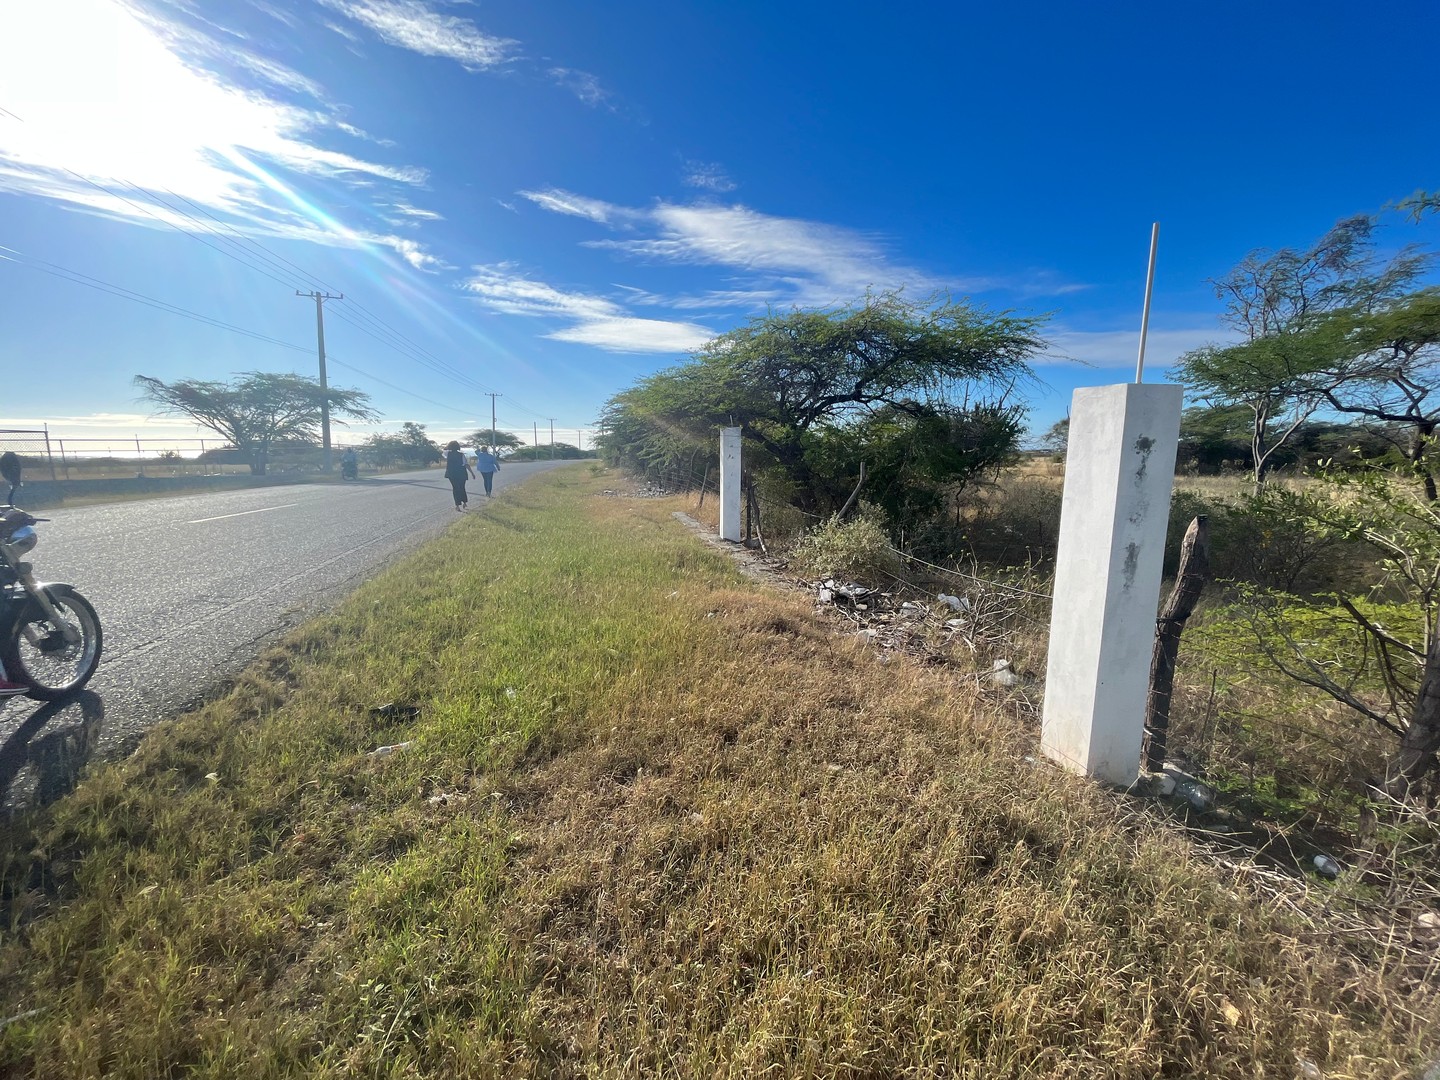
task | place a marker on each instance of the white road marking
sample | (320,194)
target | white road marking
(242,513)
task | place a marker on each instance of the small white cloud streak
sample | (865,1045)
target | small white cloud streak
(416,212)
(1120,348)
(559,201)
(707,175)
(596,320)
(582,84)
(409,24)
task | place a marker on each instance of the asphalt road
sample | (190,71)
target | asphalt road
(189,589)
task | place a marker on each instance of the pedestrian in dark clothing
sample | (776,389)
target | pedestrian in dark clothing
(487,463)
(456,471)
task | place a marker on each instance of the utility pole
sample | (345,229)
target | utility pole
(492,398)
(552,437)
(536,426)
(320,299)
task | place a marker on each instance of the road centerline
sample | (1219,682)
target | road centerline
(242,513)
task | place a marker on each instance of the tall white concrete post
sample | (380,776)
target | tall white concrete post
(1119,469)
(730,483)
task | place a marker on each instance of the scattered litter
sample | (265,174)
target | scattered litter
(510,692)
(1197,795)
(386,751)
(1231,1012)
(395,710)
(826,596)
(213,777)
(1326,866)
(867,635)
(833,768)
(955,624)
(695,817)
(147,890)
(1162,784)
(956,603)
(1428,920)
(1309,1070)
(445,798)
(1003,674)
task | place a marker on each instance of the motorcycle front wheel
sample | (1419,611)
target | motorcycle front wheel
(35,650)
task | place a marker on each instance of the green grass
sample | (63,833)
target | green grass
(651,821)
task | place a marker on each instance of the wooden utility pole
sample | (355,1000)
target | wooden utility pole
(492,398)
(320,299)
(1190,580)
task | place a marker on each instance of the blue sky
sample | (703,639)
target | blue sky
(549,200)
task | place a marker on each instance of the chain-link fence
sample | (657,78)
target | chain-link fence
(32,446)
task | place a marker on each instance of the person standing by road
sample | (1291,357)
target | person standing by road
(487,463)
(456,471)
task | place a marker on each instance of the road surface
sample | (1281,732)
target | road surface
(189,589)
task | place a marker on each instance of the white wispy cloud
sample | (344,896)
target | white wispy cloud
(277,13)
(107,91)
(567,202)
(416,212)
(582,84)
(707,175)
(409,24)
(785,261)
(1120,348)
(412,252)
(594,320)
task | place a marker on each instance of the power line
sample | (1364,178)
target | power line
(66,274)
(77,278)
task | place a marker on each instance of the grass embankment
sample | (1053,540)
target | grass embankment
(651,821)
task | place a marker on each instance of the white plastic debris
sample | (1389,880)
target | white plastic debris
(956,624)
(955,603)
(1003,674)
(1428,920)
(826,596)
(867,635)
(1162,784)
(1326,866)
(386,751)
(1309,1070)
(1197,795)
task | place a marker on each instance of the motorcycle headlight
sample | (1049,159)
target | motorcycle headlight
(23,539)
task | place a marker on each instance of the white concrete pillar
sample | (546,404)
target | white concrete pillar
(1119,469)
(730,483)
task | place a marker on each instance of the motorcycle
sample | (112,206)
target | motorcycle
(50,636)
(349,469)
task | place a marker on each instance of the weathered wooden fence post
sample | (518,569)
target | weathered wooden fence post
(1190,580)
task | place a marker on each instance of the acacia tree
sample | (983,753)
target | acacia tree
(1272,300)
(1384,366)
(789,379)
(1390,675)
(496,440)
(258,409)
(410,445)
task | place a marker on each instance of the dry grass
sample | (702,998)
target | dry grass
(653,822)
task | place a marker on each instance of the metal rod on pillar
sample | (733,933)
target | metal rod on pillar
(1145,314)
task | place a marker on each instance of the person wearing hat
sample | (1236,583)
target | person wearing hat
(456,471)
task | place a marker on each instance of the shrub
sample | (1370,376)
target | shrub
(857,549)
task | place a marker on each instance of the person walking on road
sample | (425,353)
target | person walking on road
(456,471)
(487,463)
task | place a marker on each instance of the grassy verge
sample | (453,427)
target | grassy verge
(650,820)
